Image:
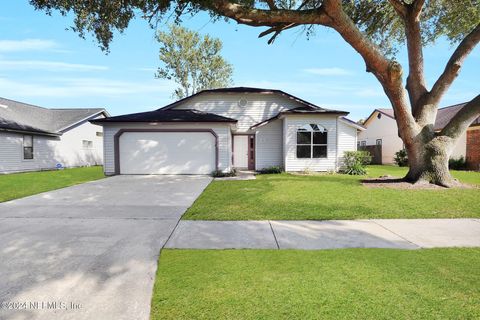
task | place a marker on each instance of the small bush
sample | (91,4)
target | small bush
(356,169)
(401,158)
(457,164)
(355,162)
(221,174)
(270,170)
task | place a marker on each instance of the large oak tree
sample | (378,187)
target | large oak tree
(374,28)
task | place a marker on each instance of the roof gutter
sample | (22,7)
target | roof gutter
(50,134)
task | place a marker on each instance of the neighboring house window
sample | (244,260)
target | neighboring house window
(87,144)
(363,143)
(379,115)
(27,147)
(99,134)
(378,142)
(311,141)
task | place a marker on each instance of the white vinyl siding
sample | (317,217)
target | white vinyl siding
(291,124)
(222,131)
(347,140)
(269,145)
(259,107)
(66,149)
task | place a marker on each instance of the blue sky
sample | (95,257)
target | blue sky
(43,63)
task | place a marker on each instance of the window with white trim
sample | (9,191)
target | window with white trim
(27,147)
(312,141)
(87,144)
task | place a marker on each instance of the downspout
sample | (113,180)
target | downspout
(336,144)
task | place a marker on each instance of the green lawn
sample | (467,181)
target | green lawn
(328,284)
(18,185)
(336,196)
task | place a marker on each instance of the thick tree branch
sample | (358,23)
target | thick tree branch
(268,18)
(331,14)
(399,7)
(388,73)
(462,120)
(416,85)
(453,66)
(271,4)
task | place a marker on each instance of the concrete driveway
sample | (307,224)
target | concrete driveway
(89,251)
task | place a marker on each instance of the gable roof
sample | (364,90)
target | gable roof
(444,115)
(300,110)
(306,105)
(161,115)
(23,117)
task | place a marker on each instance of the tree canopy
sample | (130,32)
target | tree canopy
(376,18)
(192,61)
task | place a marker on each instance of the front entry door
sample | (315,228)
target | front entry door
(240,151)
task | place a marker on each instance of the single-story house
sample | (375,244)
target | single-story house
(222,129)
(34,138)
(381,129)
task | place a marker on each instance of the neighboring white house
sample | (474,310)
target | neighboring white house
(381,128)
(245,128)
(33,138)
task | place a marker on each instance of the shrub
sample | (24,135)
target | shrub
(401,158)
(457,164)
(355,162)
(221,174)
(270,170)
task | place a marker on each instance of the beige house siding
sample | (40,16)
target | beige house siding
(384,128)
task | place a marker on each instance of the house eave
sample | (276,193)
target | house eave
(31,132)
(66,128)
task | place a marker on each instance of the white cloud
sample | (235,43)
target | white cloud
(27,45)
(79,87)
(48,65)
(328,71)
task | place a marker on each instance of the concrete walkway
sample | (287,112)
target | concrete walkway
(89,251)
(332,234)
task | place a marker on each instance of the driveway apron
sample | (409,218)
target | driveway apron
(89,251)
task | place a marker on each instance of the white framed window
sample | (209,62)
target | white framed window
(87,144)
(378,142)
(312,141)
(27,147)
(99,134)
(363,143)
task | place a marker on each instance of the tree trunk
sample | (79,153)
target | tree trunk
(428,159)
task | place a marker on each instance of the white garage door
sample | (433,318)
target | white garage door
(167,153)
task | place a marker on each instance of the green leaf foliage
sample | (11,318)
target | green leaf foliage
(192,61)
(376,18)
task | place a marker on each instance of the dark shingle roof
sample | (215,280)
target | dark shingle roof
(18,116)
(444,115)
(183,115)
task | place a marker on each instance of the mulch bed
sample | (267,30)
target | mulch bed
(398,183)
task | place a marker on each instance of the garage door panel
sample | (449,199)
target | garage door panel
(167,153)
